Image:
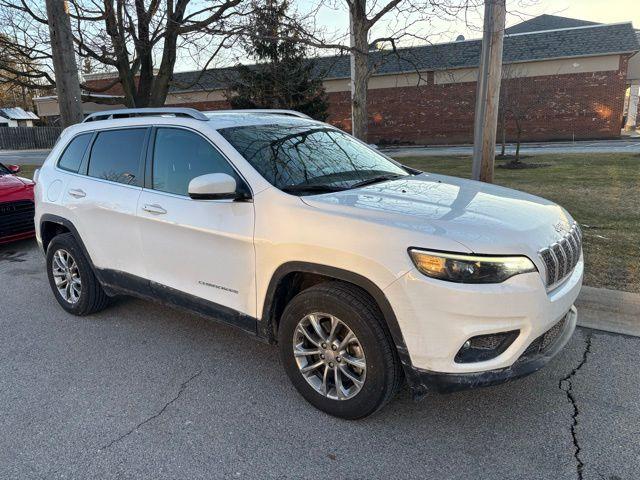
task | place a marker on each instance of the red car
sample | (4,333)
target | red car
(16,205)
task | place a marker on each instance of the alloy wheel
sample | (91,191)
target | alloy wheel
(329,356)
(66,276)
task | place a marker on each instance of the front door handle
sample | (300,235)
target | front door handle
(154,208)
(77,193)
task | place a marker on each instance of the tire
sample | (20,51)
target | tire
(88,297)
(357,312)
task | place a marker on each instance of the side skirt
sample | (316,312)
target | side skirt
(115,282)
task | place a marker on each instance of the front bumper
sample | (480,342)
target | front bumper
(436,318)
(423,381)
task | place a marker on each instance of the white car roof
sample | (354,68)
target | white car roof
(225,119)
(216,120)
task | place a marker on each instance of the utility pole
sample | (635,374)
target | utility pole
(632,107)
(488,95)
(64,63)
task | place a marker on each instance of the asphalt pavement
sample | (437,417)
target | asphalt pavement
(23,157)
(143,391)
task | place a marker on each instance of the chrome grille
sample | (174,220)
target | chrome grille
(562,257)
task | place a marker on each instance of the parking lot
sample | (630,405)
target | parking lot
(142,391)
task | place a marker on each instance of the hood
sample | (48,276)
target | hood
(10,184)
(485,218)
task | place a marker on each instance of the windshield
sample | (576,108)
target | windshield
(310,158)
(4,170)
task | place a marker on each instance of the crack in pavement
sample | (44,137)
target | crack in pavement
(183,386)
(566,385)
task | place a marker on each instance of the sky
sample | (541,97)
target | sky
(601,11)
(333,18)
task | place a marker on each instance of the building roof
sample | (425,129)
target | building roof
(17,113)
(212,79)
(576,41)
(547,22)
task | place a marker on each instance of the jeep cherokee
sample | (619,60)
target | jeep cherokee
(365,273)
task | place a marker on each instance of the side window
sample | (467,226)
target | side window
(115,156)
(179,156)
(72,156)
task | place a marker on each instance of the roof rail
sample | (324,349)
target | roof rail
(272,111)
(146,112)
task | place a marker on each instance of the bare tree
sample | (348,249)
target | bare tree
(520,103)
(367,52)
(22,63)
(504,101)
(139,39)
(10,94)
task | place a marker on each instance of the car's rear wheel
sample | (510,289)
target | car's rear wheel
(66,276)
(71,277)
(336,351)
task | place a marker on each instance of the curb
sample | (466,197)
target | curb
(609,310)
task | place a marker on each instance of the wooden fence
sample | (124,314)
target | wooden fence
(26,138)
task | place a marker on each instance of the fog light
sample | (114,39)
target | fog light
(485,347)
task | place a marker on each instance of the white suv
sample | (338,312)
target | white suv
(364,272)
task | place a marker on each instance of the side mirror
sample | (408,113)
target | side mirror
(14,168)
(215,186)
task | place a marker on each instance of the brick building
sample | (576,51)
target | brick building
(572,77)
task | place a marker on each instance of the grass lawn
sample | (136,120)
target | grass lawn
(27,171)
(602,192)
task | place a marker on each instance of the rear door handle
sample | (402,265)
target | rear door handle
(77,193)
(154,208)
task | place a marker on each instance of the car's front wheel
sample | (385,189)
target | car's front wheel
(71,277)
(336,351)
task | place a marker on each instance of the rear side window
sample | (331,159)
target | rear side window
(73,154)
(116,156)
(179,156)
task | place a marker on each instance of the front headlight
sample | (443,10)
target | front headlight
(459,268)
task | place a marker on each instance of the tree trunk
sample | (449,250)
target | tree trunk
(518,141)
(144,53)
(160,88)
(23,91)
(503,129)
(162,80)
(360,73)
(115,31)
(64,63)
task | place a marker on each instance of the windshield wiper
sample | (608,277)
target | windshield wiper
(301,188)
(319,188)
(377,179)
